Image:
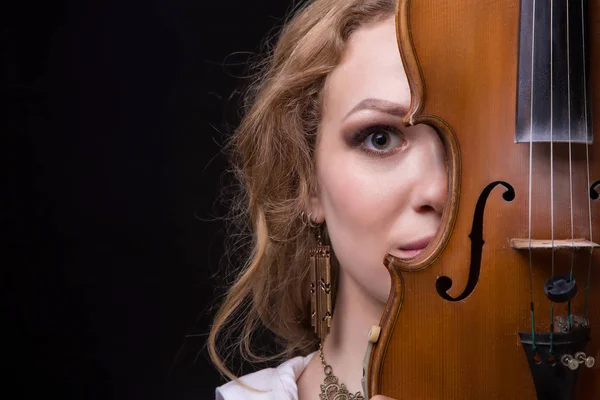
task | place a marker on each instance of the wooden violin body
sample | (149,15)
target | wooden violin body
(458,323)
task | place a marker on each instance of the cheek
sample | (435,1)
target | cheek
(360,196)
(359,216)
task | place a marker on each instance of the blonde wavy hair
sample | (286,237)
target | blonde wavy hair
(272,156)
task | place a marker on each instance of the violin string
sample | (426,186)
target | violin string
(587,157)
(570,161)
(531,304)
(552,161)
(587,286)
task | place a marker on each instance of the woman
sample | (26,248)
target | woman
(322,149)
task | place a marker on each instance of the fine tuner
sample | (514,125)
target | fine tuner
(573,362)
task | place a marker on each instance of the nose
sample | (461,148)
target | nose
(431,186)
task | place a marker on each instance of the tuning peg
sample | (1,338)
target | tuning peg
(582,358)
(568,361)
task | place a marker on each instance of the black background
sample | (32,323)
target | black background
(114,117)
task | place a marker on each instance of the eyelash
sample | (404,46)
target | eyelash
(358,139)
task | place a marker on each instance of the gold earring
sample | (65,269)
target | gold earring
(320,287)
(307,219)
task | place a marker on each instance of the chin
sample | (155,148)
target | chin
(381,291)
(382,297)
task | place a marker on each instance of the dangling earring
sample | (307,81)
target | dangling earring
(320,287)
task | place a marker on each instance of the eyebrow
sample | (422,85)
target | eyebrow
(380,105)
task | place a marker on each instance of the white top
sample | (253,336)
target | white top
(275,383)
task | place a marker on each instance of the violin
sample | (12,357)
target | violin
(505,301)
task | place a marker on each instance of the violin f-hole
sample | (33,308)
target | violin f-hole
(444,283)
(593,193)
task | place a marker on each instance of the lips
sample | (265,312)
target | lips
(414,248)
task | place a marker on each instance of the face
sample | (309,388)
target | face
(382,187)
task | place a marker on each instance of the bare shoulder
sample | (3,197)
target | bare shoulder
(310,380)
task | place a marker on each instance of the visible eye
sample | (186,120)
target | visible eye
(380,140)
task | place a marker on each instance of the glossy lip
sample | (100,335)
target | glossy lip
(414,248)
(420,244)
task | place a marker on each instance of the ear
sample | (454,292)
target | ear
(315,209)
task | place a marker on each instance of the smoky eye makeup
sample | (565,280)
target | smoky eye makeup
(379,140)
